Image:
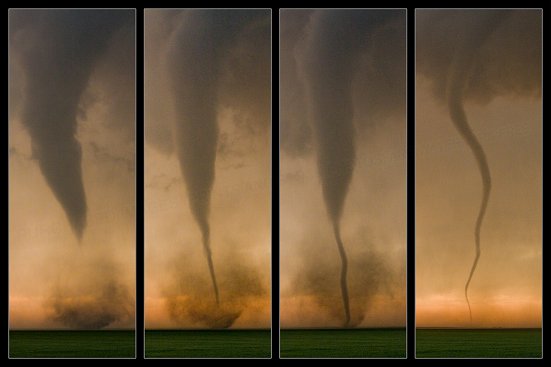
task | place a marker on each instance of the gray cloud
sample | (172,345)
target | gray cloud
(376,43)
(508,62)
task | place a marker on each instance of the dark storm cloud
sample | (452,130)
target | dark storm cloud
(243,69)
(507,62)
(373,44)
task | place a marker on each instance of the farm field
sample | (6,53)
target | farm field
(71,344)
(208,343)
(343,343)
(478,343)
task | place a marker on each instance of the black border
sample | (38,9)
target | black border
(139,8)
(410,303)
(140,327)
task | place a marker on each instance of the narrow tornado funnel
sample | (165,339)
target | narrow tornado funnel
(328,68)
(336,52)
(193,68)
(476,32)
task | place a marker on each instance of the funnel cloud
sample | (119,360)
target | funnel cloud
(57,51)
(467,49)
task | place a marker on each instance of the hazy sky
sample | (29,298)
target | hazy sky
(348,69)
(502,102)
(207,124)
(71,92)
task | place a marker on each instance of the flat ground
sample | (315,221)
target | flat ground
(343,343)
(479,343)
(208,343)
(68,343)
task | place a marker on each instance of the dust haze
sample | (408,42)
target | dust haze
(96,304)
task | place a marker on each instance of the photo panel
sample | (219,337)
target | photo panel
(342,183)
(207,177)
(72,199)
(478,189)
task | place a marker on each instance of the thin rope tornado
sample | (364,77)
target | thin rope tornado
(459,118)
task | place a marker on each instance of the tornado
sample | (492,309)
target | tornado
(56,51)
(193,70)
(328,70)
(476,32)
(459,118)
(195,58)
(334,43)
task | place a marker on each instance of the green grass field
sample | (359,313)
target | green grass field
(75,344)
(478,343)
(343,343)
(208,343)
